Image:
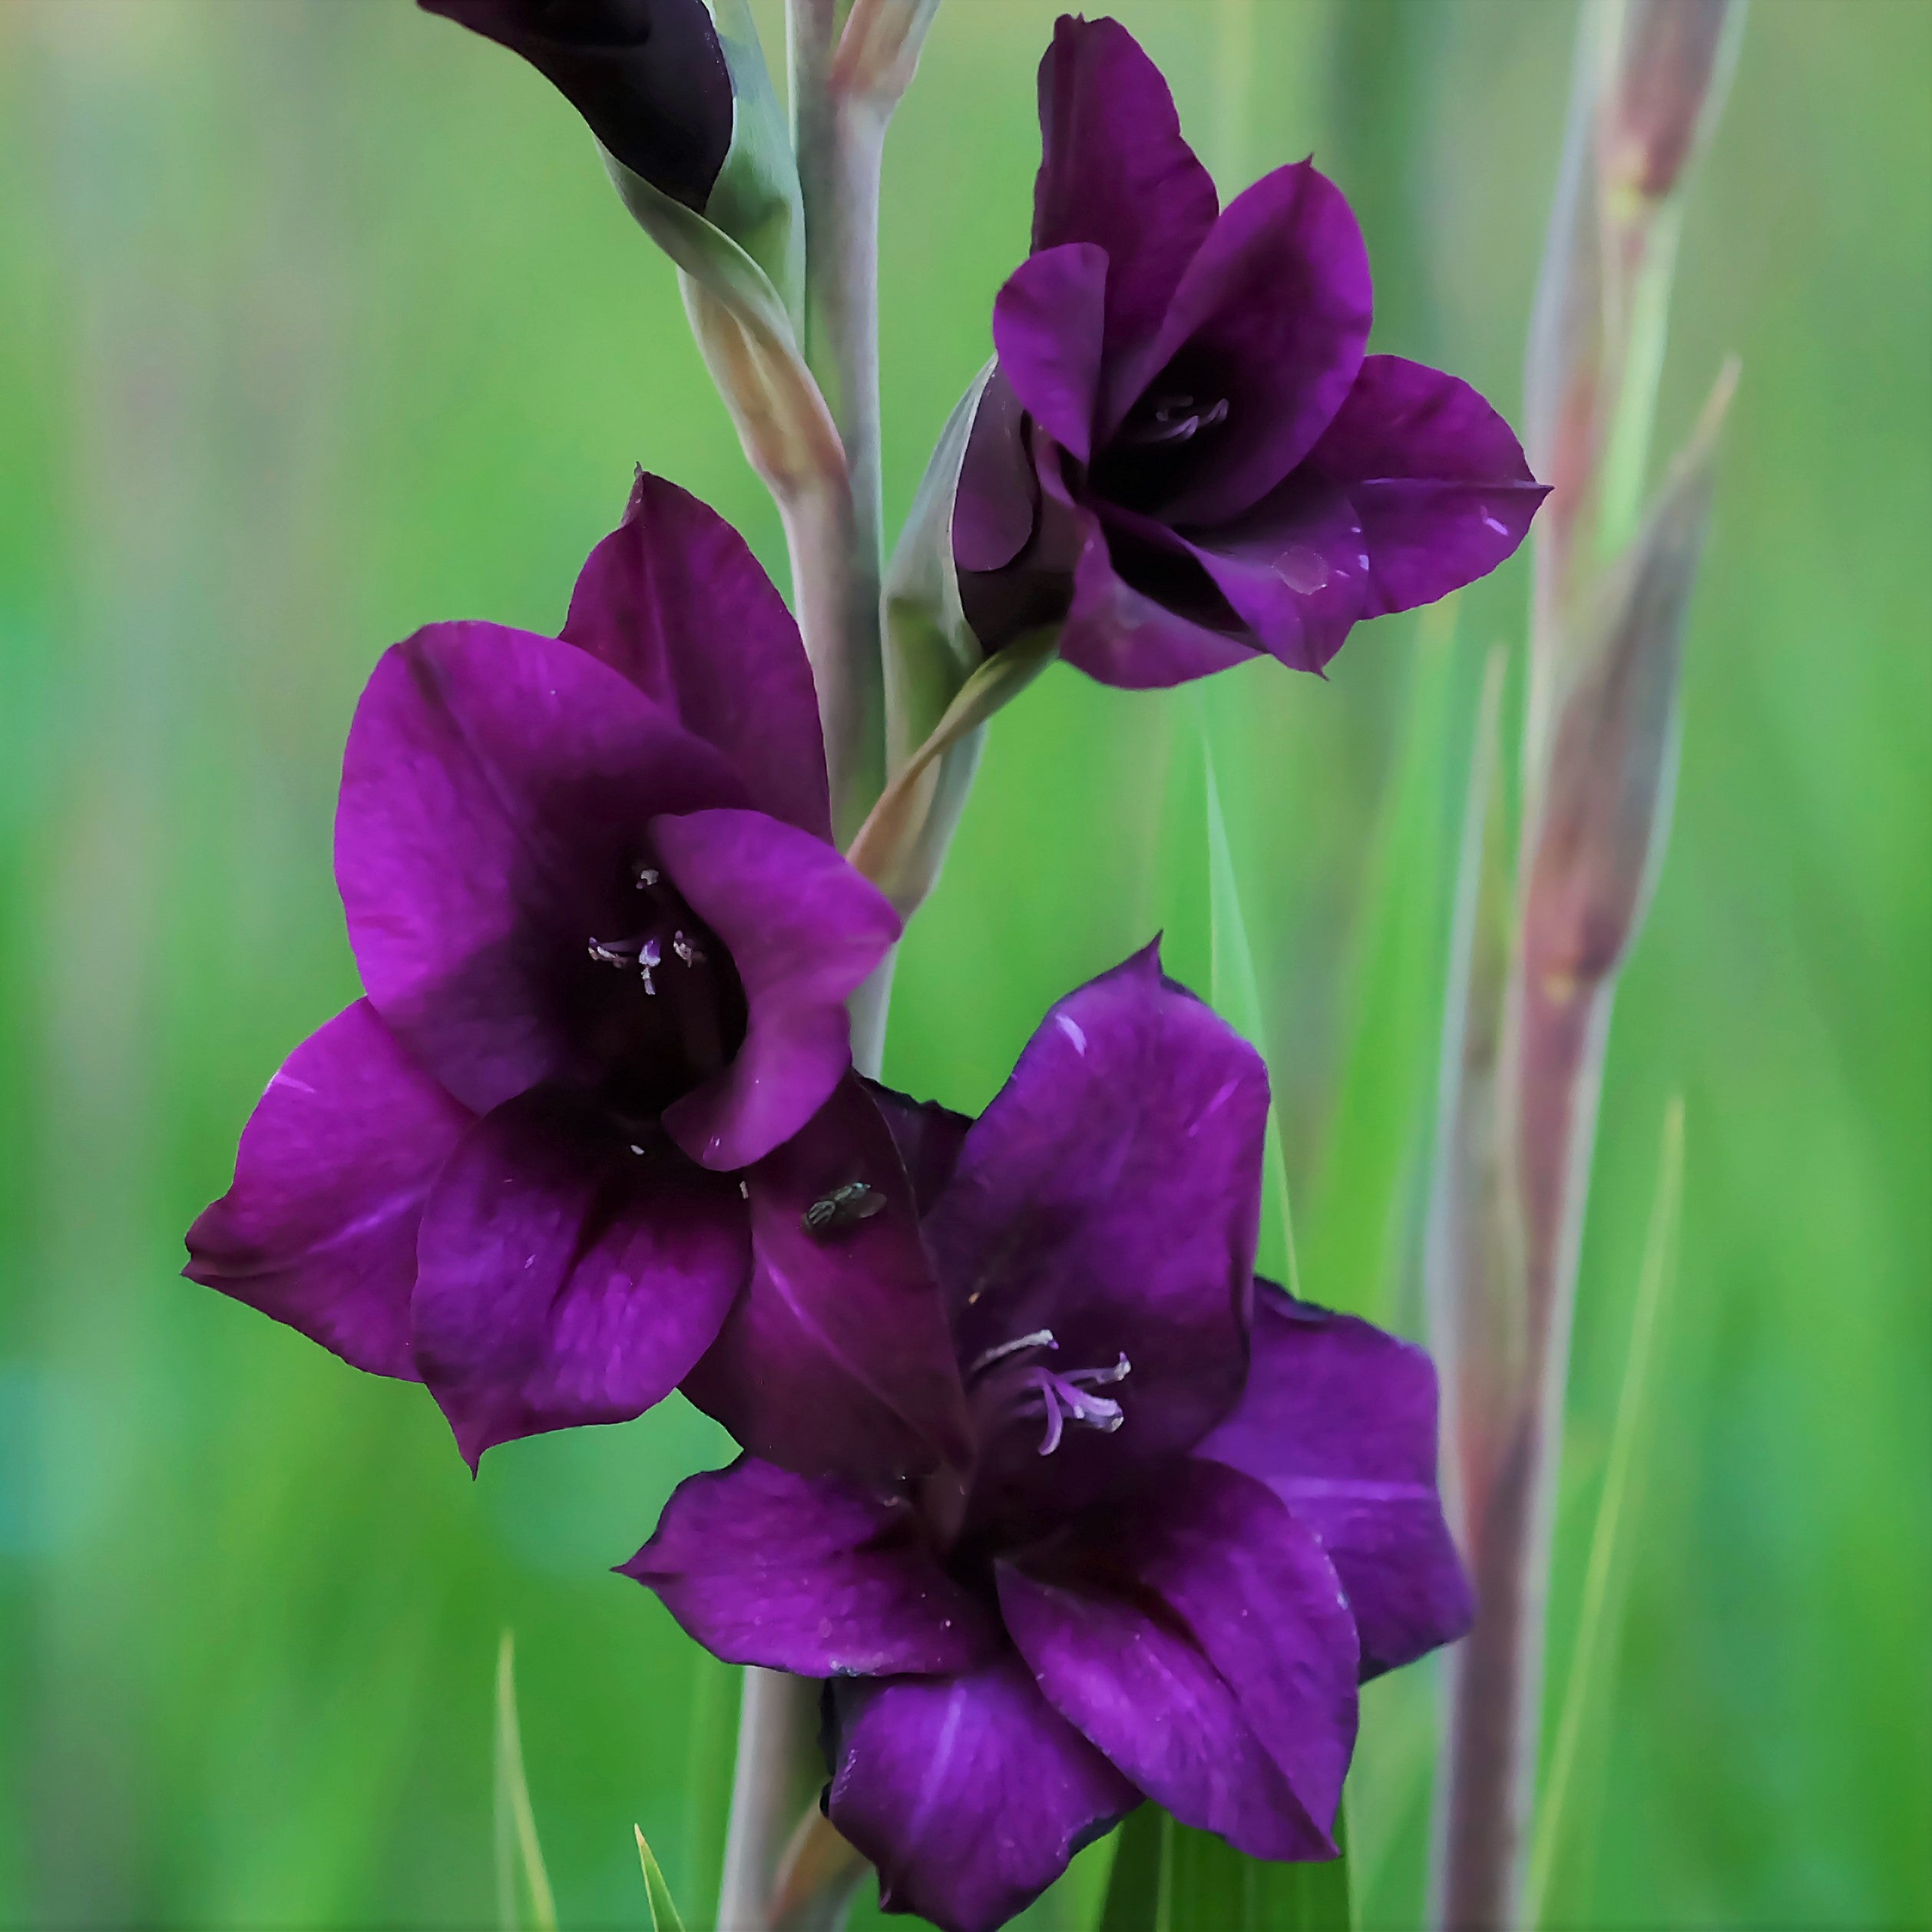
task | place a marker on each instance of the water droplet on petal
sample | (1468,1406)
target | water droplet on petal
(1305,571)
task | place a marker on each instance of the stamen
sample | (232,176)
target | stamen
(1066,1399)
(647,877)
(686,950)
(649,956)
(1039,1338)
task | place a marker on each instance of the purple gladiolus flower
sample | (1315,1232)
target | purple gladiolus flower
(1195,1513)
(1185,455)
(649,76)
(606,944)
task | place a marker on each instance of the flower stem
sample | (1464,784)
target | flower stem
(844,86)
(840,136)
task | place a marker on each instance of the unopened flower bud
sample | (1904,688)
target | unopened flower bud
(649,76)
(1673,60)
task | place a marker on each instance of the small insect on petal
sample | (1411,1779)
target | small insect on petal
(843,1207)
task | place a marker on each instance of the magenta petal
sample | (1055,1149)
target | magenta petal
(1436,477)
(837,1359)
(1339,1419)
(1110,1194)
(1272,317)
(803,929)
(319,1228)
(816,1576)
(674,599)
(565,1277)
(1048,325)
(1115,172)
(494,788)
(968,1793)
(1197,1636)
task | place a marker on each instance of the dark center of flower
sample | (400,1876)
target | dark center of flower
(1003,1385)
(662,1010)
(591,23)
(1167,435)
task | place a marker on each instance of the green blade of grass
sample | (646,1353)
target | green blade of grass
(1133,1902)
(663,1907)
(1234,991)
(516,1822)
(1592,1664)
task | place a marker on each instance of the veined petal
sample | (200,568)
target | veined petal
(1110,1195)
(1339,1419)
(674,599)
(1197,1635)
(1437,479)
(803,930)
(1115,171)
(319,1229)
(1048,325)
(811,1575)
(968,1793)
(565,1276)
(1272,318)
(494,788)
(837,1359)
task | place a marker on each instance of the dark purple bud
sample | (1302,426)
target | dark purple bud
(649,76)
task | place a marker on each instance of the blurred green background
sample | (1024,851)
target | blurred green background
(320,322)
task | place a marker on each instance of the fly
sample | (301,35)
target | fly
(843,1207)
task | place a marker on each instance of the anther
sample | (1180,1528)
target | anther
(1039,1338)
(686,950)
(646,878)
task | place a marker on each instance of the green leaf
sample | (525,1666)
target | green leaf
(1235,992)
(755,200)
(902,844)
(1133,1888)
(516,1822)
(664,1909)
(709,1752)
(1593,1667)
(1169,1878)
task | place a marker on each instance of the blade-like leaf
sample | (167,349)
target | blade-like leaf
(1593,1667)
(1212,1887)
(516,1822)
(664,1909)
(1235,992)
(1134,1888)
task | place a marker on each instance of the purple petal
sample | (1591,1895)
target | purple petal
(335,1163)
(649,76)
(1128,637)
(928,1137)
(1048,325)
(1436,478)
(1339,1419)
(998,501)
(1197,1635)
(968,1793)
(813,1575)
(838,1360)
(674,599)
(1295,569)
(493,789)
(1271,317)
(1110,1195)
(566,1276)
(1115,171)
(803,929)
